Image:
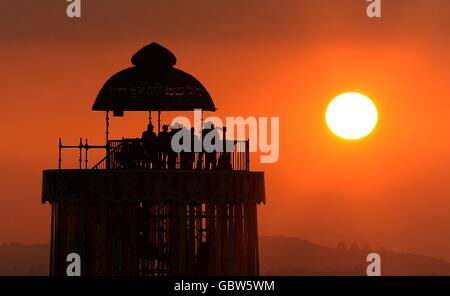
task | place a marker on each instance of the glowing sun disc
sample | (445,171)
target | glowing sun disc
(351,116)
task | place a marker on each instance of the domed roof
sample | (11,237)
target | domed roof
(153,84)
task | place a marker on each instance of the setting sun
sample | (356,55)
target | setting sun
(351,116)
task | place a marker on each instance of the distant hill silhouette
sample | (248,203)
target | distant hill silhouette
(19,259)
(281,255)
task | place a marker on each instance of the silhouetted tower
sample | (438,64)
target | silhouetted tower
(127,218)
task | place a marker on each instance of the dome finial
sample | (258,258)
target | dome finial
(154,55)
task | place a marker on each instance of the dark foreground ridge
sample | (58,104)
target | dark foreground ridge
(279,255)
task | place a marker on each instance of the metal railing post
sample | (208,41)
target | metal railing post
(59,153)
(224,139)
(247,155)
(86,147)
(81,153)
(108,155)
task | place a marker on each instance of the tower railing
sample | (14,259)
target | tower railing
(129,154)
(81,147)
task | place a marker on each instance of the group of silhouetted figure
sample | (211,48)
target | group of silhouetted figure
(154,151)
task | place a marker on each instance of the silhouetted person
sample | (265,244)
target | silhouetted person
(224,162)
(164,138)
(187,157)
(150,148)
(123,156)
(172,155)
(211,157)
(129,154)
(198,143)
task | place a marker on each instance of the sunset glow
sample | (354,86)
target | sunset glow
(354,109)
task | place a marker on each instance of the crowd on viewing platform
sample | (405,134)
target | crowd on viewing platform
(155,151)
(174,147)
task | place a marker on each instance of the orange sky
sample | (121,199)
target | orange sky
(278,58)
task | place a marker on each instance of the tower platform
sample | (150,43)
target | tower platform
(138,185)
